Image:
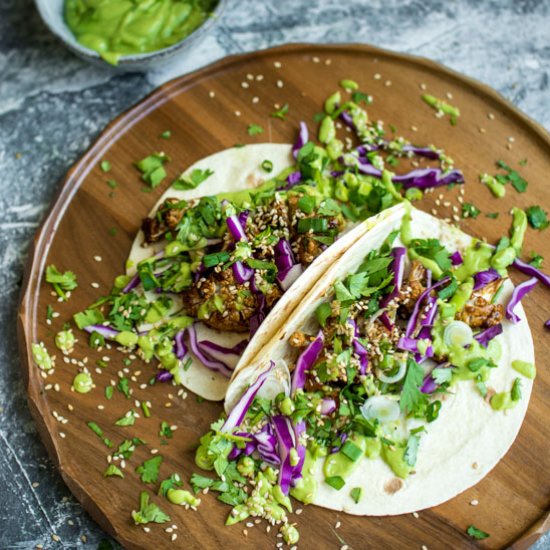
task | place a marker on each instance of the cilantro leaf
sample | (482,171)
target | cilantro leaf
(149,470)
(165,430)
(113,470)
(280,113)
(254,129)
(88,317)
(412,399)
(128,419)
(433,250)
(148,512)
(355,494)
(61,282)
(173,481)
(193,180)
(536,260)
(538,218)
(476,533)
(469,210)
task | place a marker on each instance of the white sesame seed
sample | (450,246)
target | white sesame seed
(259,77)
(211,94)
(316,60)
(237,113)
(255,99)
(338,523)
(416,515)
(423,86)
(250,76)
(414,128)
(100,407)
(277,64)
(98,258)
(377,76)
(147,529)
(280,84)
(387,83)
(173,537)
(245,84)
(56,538)
(490,116)
(94,285)
(154,451)
(474,502)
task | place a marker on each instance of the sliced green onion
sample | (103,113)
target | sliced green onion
(336,482)
(380,408)
(458,333)
(316,225)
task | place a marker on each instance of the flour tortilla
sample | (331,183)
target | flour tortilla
(461,446)
(238,169)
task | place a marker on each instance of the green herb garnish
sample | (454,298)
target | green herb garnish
(537,217)
(281,113)
(149,470)
(193,180)
(476,533)
(105,166)
(148,512)
(355,494)
(61,282)
(254,129)
(469,210)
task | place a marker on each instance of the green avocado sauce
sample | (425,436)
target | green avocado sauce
(306,487)
(477,257)
(394,457)
(115,28)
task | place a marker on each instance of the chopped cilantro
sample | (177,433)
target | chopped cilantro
(148,512)
(433,250)
(492,215)
(193,180)
(432,410)
(88,317)
(112,184)
(357,97)
(167,134)
(112,470)
(165,430)
(336,482)
(536,260)
(105,166)
(61,282)
(306,204)
(112,231)
(254,129)
(280,113)
(99,432)
(109,391)
(127,447)
(49,312)
(323,312)
(317,117)
(469,210)
(476,533)
(412,399)
(511,176)
(538,218)
(515,393)
(171,483)
(149,470)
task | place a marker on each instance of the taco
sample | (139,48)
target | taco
(401,378)
(235,231)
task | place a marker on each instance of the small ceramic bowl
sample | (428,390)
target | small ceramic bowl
(51,12)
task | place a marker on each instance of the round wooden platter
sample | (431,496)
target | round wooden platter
(200,110)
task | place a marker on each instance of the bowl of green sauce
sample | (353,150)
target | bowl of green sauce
(129,35)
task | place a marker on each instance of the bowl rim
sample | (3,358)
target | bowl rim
(75,46)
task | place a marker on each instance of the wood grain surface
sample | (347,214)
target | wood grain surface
(200,110)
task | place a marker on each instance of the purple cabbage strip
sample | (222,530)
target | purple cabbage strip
(306,361)
(426,152)
(235,228)
(531,271)
(164,375)
(485,336)
(386,321)
(239,411)
(284,257)
(361,352)
(107,332)
(398,267)
(249,447)
(347,120)
(237,349)
(483,278)
(429,385)
(328,406)
(288,277)
(424,178)
(303,138)
(132,283)
(517,295)
(266,445)
(547,324)
(243,217)
(456,258)
(343,437)
(217,366)
(416,311)
(242,272)
(180,349)
(285,442)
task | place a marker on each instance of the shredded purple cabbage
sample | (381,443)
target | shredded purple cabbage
(285,442)
(485,336)
(347,120)
(456,258)
(531,271)
(397,267)
(305,362)
(235,228)
(517,295)
(242,272)
(239,411)
(107,332)
(284,257)
(164,375)
(303,137)
(211,364)
(413,321)
(425,178)
(180,349)
(132,283)
(288,276)
(483,278)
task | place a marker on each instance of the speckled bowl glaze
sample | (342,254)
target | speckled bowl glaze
(51,12)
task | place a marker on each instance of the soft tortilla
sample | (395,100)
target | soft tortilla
(461,446)
(237,169)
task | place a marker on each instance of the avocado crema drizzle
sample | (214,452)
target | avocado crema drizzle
(369,381)
(231,256)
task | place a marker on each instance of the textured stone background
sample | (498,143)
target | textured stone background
(52,106)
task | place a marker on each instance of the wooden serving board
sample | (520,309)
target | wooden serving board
(199,109)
